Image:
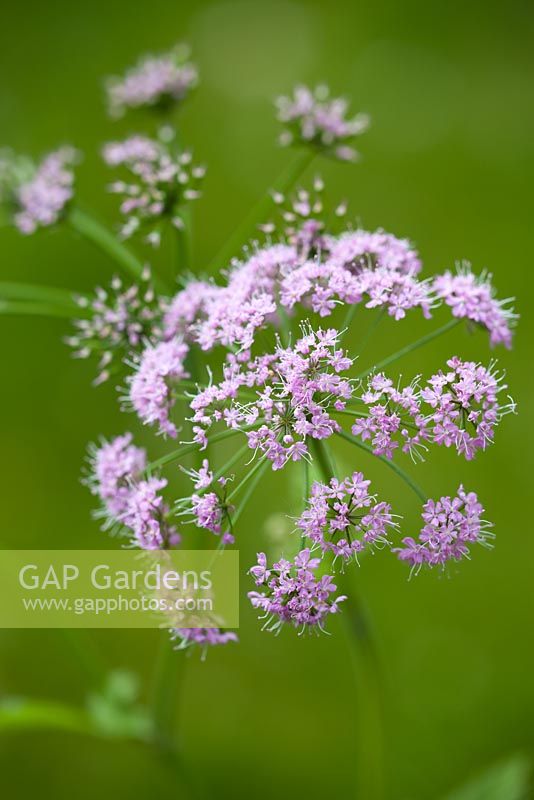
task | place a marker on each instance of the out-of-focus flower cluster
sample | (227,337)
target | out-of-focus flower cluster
(121,320)
(157,82)
(160,184)
(312,117)
(159,369)
(129,500)
(35,196)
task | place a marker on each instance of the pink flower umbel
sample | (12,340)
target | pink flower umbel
(473,298)
(157,82)
(312,117)
(159,184)
(465,406)
(160,367)
(37,196)
(342,518)
(394,418)
(297,390)
(451,526)
(293,593)
(120,321)
(115,465)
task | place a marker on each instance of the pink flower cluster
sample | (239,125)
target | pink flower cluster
(451,526)
(297,389)
(342,518)
(209,510)
(375,268)
(161,183)
(293,593)
(41,196)
(312,117)
(156,82)
(204,637)
(394,418)
(465,406)
(120,321)
(128,499)
(474,298)
(151,386)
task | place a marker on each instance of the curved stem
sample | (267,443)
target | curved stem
(252,485)
(257,214)
(411,347)
(391,464)
(364,656)
(189,448)
(99,235)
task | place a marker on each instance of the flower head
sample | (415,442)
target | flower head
(210,510)
(202,637)
(119,322)
(394,418)
(342,518)
(146,514)
(292,593)
(296,391)
(160,182)
(151,386)
(473,298)
(465,406)
(312,117)
(36,195)
(115,465)
(451,526)
(158,82)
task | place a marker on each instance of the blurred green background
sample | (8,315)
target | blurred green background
(449,163)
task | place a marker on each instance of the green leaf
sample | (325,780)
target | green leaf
(37,294)
(508,780)
(21,307)
(22,714)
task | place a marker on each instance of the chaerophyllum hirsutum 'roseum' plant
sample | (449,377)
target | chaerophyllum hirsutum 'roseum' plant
(274,318)
(252,350)
(282,384)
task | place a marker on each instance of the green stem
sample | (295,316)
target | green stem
(99,235)
(411,347)
(368,679)
(29,292)
(183,238)
(250,474)
(189,448)
(24,308)
(252,485)
(349,316)
(391,464)
(167,688)
(365,660)
(88,656)
(259,211)
(370,330)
